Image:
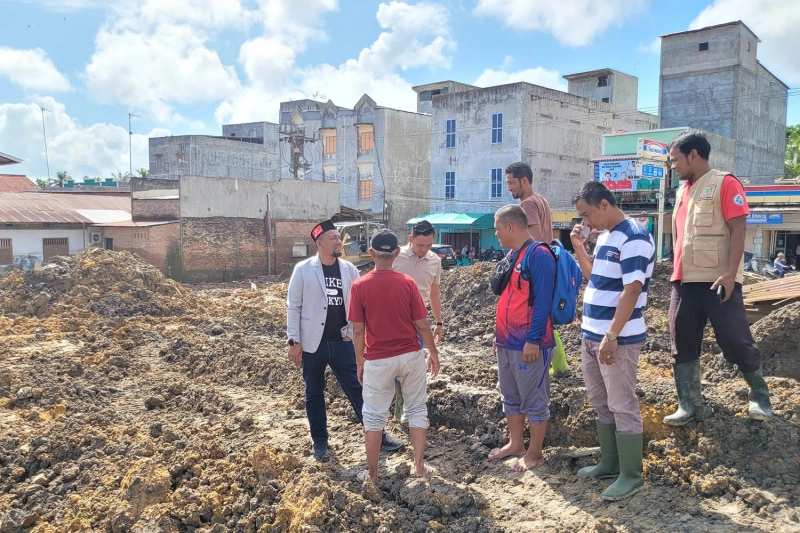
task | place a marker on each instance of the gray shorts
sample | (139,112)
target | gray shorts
(524,387)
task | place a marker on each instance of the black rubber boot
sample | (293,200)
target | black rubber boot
(760,407)
(690,400)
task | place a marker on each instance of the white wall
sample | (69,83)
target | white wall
(27,243)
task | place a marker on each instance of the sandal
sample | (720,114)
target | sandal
(362,476)
(429,472)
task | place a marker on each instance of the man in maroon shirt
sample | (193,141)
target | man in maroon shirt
(388,313)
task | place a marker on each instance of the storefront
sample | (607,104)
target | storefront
(774,223)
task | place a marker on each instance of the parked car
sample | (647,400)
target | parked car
(446,253)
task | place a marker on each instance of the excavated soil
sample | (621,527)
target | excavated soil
(129,403)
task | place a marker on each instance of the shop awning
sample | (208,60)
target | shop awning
(463,221)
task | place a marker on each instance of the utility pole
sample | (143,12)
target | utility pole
(130,144)
(44,132)
(296,141)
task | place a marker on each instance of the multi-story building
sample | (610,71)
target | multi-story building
(476,133)
(379,156)
(711,79)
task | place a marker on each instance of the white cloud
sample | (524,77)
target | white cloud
(537,76)
(653,48)
(68,5)
(150,55)
(96,150)
(414,36)
(774,21)
(571,22)
(32,69)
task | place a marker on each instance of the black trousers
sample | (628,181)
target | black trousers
(691,306)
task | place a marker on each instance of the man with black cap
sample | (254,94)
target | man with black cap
(425,267)
(319,334)
(388,314)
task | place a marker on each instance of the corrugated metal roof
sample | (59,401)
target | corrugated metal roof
(6,159)
(16,183)
(38,208)
(621,157)
(132,224)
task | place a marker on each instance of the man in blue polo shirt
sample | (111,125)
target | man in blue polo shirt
(613,332)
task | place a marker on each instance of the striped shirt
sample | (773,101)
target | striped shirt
(623,255)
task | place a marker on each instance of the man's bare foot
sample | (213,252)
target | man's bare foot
(506,451)
(527,463)
(426,471)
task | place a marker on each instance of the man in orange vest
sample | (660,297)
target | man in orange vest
(708,230)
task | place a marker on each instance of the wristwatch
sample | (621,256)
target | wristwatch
(291,342)
(611,336)
(440,324)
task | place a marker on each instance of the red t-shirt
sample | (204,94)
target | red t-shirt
(733,202)
(389,303)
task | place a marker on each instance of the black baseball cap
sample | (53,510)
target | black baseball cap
(384,241)
(423,227)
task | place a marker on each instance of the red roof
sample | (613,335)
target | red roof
(16,183)
(42,207)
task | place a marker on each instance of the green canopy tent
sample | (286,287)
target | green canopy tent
(457,223)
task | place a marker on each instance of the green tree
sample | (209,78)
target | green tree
(143,173)
(62,177)
(43,184)
(792,163)
(120,177)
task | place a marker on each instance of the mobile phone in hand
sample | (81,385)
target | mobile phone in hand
(721,293)
(585,231)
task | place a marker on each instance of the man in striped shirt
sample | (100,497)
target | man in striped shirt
(613,332)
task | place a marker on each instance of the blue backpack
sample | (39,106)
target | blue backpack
(568,282)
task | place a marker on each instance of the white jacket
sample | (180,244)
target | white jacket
(307,302)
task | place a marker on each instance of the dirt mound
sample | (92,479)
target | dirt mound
(778,336)
(109,284)
(181,413)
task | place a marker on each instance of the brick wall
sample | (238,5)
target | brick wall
(155,209)
(287,232)
(223,249)
(152,243)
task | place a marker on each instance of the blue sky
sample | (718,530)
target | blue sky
(187,66)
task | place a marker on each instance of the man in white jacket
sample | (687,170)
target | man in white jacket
(319,334)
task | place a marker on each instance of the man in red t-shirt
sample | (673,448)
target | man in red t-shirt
(707,279)
(388,313)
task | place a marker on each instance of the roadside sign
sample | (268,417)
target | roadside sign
(652,150)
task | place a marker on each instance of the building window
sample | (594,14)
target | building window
(6,252)
(497,128)
(748,46)
(365,189)
(703,47)
(159,162)
(330,145)
(602,81)
(449,185)
(497,183)
(366,141)
(450,141)
(53,247)
(606,100)
(140,234)
(436,92)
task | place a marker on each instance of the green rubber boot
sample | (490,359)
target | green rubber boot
(690,400)
(760,407)
(560,366)
(630,477)
(609,458)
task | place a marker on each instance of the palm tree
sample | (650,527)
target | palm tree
(792,163)
(120,177)
(61,177)
(143,173)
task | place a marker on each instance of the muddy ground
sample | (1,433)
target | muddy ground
(129,403)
